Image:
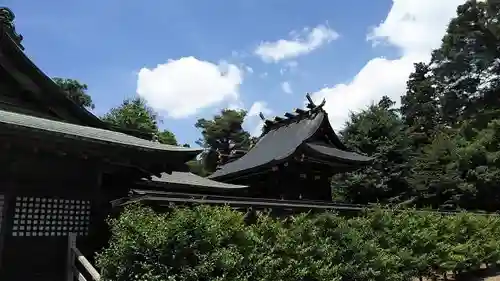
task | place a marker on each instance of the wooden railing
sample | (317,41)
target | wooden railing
(74,256)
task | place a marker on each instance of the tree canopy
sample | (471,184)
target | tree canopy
(442,148)
(221,135)
(135,114)
(76,91)
(380,133)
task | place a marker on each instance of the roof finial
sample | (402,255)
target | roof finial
(261,115)
(7,23)
(311,104)
(322,103)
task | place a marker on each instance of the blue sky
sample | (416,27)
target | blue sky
(105,44)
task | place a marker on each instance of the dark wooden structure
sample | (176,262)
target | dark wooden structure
(287,171)
(61,167)
(294,158)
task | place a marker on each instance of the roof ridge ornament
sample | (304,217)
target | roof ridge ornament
(7,23)
(298,113)
(311,104)
(261,115)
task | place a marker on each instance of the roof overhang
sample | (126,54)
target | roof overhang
(98,142)
(41,87)
(186,181)
(332,154)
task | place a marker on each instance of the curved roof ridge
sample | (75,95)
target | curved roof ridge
(296,116)
(274,146)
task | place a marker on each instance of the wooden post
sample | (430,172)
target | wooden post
(70,258)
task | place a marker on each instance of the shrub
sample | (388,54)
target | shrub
(214,243)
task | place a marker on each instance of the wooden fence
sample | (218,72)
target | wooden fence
(74,258)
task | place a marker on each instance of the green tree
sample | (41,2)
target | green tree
(135,114)
(167,137)
(221,135)
(460,169)
(379,132)
(457,168)
(420,106)
(467,65)
(436,178)
(76,91)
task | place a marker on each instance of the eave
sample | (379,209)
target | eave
(41,87)
(97,142)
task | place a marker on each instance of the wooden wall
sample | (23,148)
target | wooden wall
(47,197)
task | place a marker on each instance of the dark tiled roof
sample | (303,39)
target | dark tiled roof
(282,137)
(86,133)
(277,144)
(190,179)
(52,93)
(341,155)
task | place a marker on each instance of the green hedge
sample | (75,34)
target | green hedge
(214,243)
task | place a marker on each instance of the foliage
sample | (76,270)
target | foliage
(467,65)
(135,114)
(221,135)
(167,137)
(461,169)
(214,243)
(419,107)
(379,132)
(451,112)
(76,91)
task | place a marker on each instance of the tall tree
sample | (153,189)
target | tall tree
(435,178)
(76,91)
(135,114)
(221,135)
(461,168)
(467,65)
(420,106)
(379,132)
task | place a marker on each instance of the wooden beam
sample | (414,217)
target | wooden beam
(261,115)
(311,103)
(268,123)
(300,111)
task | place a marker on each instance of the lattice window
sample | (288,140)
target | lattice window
(35,216)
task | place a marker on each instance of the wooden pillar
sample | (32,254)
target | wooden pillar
(94,240)
(9,163)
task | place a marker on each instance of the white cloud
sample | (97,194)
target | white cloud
(289,67)
(182,87)
(414,27)
(235,105)
(285,86)
(252,123)
(299,45)
(258,107)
